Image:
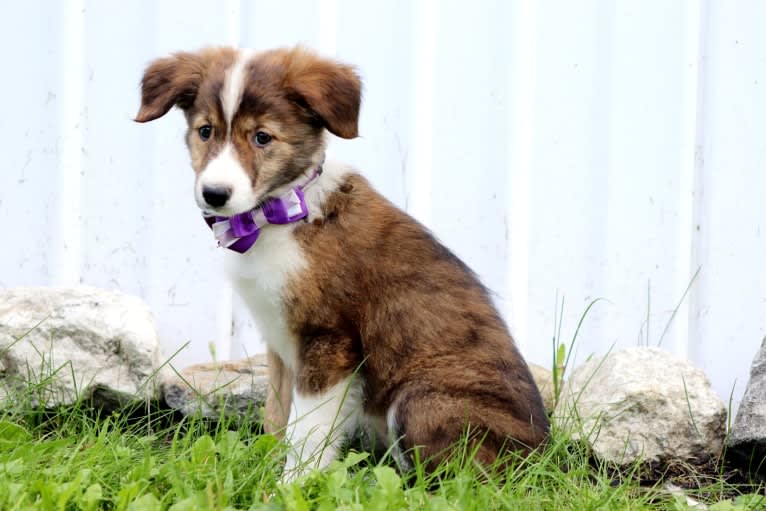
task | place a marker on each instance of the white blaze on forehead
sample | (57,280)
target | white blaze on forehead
(234,85)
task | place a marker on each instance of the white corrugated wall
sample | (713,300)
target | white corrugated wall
(570,149)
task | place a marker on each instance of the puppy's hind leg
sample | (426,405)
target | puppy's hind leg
(433,422)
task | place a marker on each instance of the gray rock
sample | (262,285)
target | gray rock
(59,344)
(239,387)
(748,434)
(544,381)
(232,389)
(644,404)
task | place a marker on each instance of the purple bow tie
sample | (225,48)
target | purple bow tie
(240,232)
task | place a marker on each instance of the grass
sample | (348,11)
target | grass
(152,459)
(75,459)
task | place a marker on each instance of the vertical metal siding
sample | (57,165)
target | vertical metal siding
(573,149)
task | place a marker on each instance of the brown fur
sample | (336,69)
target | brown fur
(384,294)
(381,296)
(176,80)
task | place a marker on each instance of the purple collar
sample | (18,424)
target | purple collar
(240,232)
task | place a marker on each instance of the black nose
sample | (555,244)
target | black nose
(216,196)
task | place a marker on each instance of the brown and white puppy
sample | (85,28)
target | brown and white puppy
(368,318)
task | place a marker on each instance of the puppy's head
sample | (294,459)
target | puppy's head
(256,121)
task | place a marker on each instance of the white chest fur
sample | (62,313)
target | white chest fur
(261,275)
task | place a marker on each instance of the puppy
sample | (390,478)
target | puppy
(368,319)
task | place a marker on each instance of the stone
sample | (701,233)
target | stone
(643,404)
(544,381)
(219,389)
(239,387)
(747,442)
(60,344)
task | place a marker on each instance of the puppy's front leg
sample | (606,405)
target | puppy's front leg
(319,422)
(278,395)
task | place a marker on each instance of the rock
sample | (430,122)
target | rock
(61,344)
(544,381)
(237,387)
(747,441)
(233,389)
(644,404)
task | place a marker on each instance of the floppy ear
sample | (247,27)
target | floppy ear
(332,90)
(170,81)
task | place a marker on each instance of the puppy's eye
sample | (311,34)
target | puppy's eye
(262,138)
(205,131)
